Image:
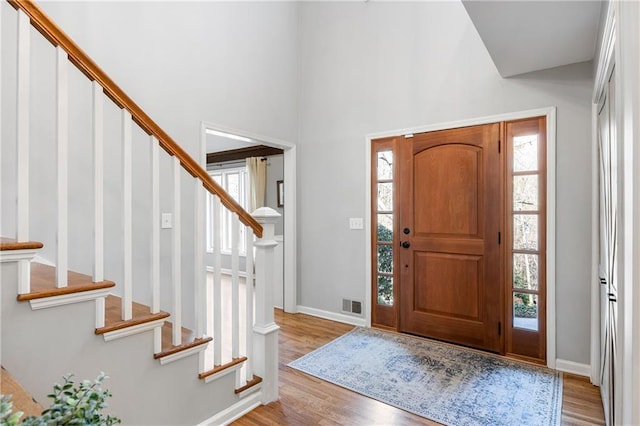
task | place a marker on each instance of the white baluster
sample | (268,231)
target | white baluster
(98,182)
(100,311)
(235,292)
(22,108)
(265,330)
(177,256)
(198,264)
(155,225)
(24,47)
(62,123)
(217,282)
(155,240)
(249,305)
(200,272)
(127,253)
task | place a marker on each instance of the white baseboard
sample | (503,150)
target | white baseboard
(347,319)
(234,412)
(573,367)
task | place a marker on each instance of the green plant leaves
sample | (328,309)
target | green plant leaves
(72,405)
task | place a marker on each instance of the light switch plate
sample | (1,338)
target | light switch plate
(356,223)
(167,221)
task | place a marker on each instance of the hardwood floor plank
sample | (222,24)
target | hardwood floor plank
(306,400)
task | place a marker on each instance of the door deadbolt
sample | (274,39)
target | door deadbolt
(406,231)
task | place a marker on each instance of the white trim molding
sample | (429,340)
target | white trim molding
(17,255)
(67,299)
(249,391)
(136,329)
(573,367)
(550,114)
(223,373)
(233,413)
(333,316)
(182,354)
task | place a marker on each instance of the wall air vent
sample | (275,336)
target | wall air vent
(352,306)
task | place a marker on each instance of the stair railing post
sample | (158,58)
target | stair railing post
(265,330)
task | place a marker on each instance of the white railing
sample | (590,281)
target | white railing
(239,330)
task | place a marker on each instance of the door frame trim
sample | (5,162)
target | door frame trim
(550,114)
(290,207)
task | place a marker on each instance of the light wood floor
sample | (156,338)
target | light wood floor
(21,400)
(306,400)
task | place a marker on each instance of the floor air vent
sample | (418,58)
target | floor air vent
(352,306)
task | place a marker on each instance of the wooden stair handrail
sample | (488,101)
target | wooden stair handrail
(54,34)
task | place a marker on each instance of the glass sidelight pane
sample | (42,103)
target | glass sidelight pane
(385,290)
(385,228)
(525,271)
(525,193)
(385,196)
(525,232)
(525,311)
(385,165)
(233,185)
(525,153)
(385,259)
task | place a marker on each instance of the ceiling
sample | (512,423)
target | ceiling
(526,36)
(217,143)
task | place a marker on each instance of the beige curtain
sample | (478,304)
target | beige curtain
(257,174)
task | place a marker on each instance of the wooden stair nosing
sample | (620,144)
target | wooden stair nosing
(251,383)
(12,244)
(43,283)
(113,315)
(183,347)
(132,322)
(218,368)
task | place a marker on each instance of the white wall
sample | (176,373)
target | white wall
(232,63)
(378,66)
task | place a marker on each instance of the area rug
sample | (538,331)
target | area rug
(441,382)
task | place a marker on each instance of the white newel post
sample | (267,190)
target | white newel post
(265,330)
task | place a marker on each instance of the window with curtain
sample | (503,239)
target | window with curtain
(234,181)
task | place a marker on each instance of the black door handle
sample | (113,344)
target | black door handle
(405,244)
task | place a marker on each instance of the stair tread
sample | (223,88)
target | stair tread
(113,315)
(222,367)
(43,283)
(189,340)
(12,244)
(251,383)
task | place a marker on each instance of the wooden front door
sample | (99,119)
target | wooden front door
(449,223)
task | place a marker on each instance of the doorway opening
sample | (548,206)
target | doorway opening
(224,151)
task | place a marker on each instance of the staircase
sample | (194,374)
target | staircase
(88,175)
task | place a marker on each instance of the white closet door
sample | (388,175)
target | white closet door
(608,183)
